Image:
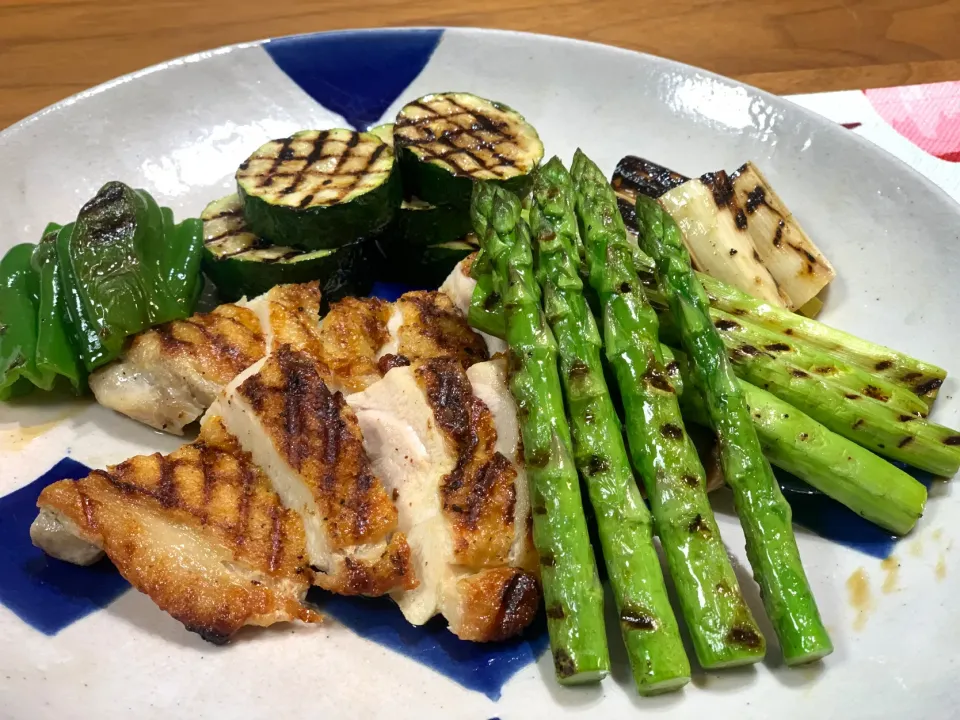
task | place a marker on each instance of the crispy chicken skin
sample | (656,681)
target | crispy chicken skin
(434,327)
(308,442)
(199,531)
(492,605)
(353,332)
(478,496)
(171,374)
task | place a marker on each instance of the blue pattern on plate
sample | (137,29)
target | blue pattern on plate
(50,595)
(46,593)
(484,667)
(833,521)
(356,74)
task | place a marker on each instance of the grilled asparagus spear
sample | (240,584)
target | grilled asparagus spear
(921,378)
(764,514)
(723,630)
(858,417)
(867,484)
(571,587)
(908,385)
(647,622)
(486,310)
(748,344)
(841,469)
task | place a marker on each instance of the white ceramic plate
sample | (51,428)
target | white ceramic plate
(180,129)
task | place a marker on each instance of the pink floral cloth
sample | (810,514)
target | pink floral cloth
(926,115)
(920,124)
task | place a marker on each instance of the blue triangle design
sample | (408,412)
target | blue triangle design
(358,73)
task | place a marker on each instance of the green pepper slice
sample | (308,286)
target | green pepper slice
(55,353)
(19,302)
(125,266)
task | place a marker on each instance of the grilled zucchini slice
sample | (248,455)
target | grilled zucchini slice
(240,263)
(384,132)
(320,188)
(447,141)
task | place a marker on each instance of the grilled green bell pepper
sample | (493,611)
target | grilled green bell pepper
(55,354)
(19,303)
(125,266)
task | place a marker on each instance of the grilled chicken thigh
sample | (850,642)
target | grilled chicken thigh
(374,452)
(200,531)
(275,494)
(171,374)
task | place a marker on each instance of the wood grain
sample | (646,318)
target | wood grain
(50,49)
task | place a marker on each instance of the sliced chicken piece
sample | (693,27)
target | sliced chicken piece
(491,605)
(353,333)
(459,288)
(171,374)
(200,531)
(309,445)
(461,501)
(434,327)
(489,383)
(290,315)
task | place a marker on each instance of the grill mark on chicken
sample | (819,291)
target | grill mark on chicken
(389,361)
(249,476)
(210,493)
(276,538)
(316,433)
(434,327)
(502,602)
(478,495)
(310,417)
(232,356)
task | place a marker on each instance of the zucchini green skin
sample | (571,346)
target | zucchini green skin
(440,187)
(316,226)
(421,224)
(506,148)
(347,270)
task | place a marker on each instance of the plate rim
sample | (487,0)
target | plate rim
(782,102)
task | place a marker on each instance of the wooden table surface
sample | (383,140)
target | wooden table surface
(50,49)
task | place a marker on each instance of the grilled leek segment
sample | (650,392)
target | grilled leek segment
(320,188)
(736,229)
(240,263)
(793,260)
(713,231)
(446,141)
